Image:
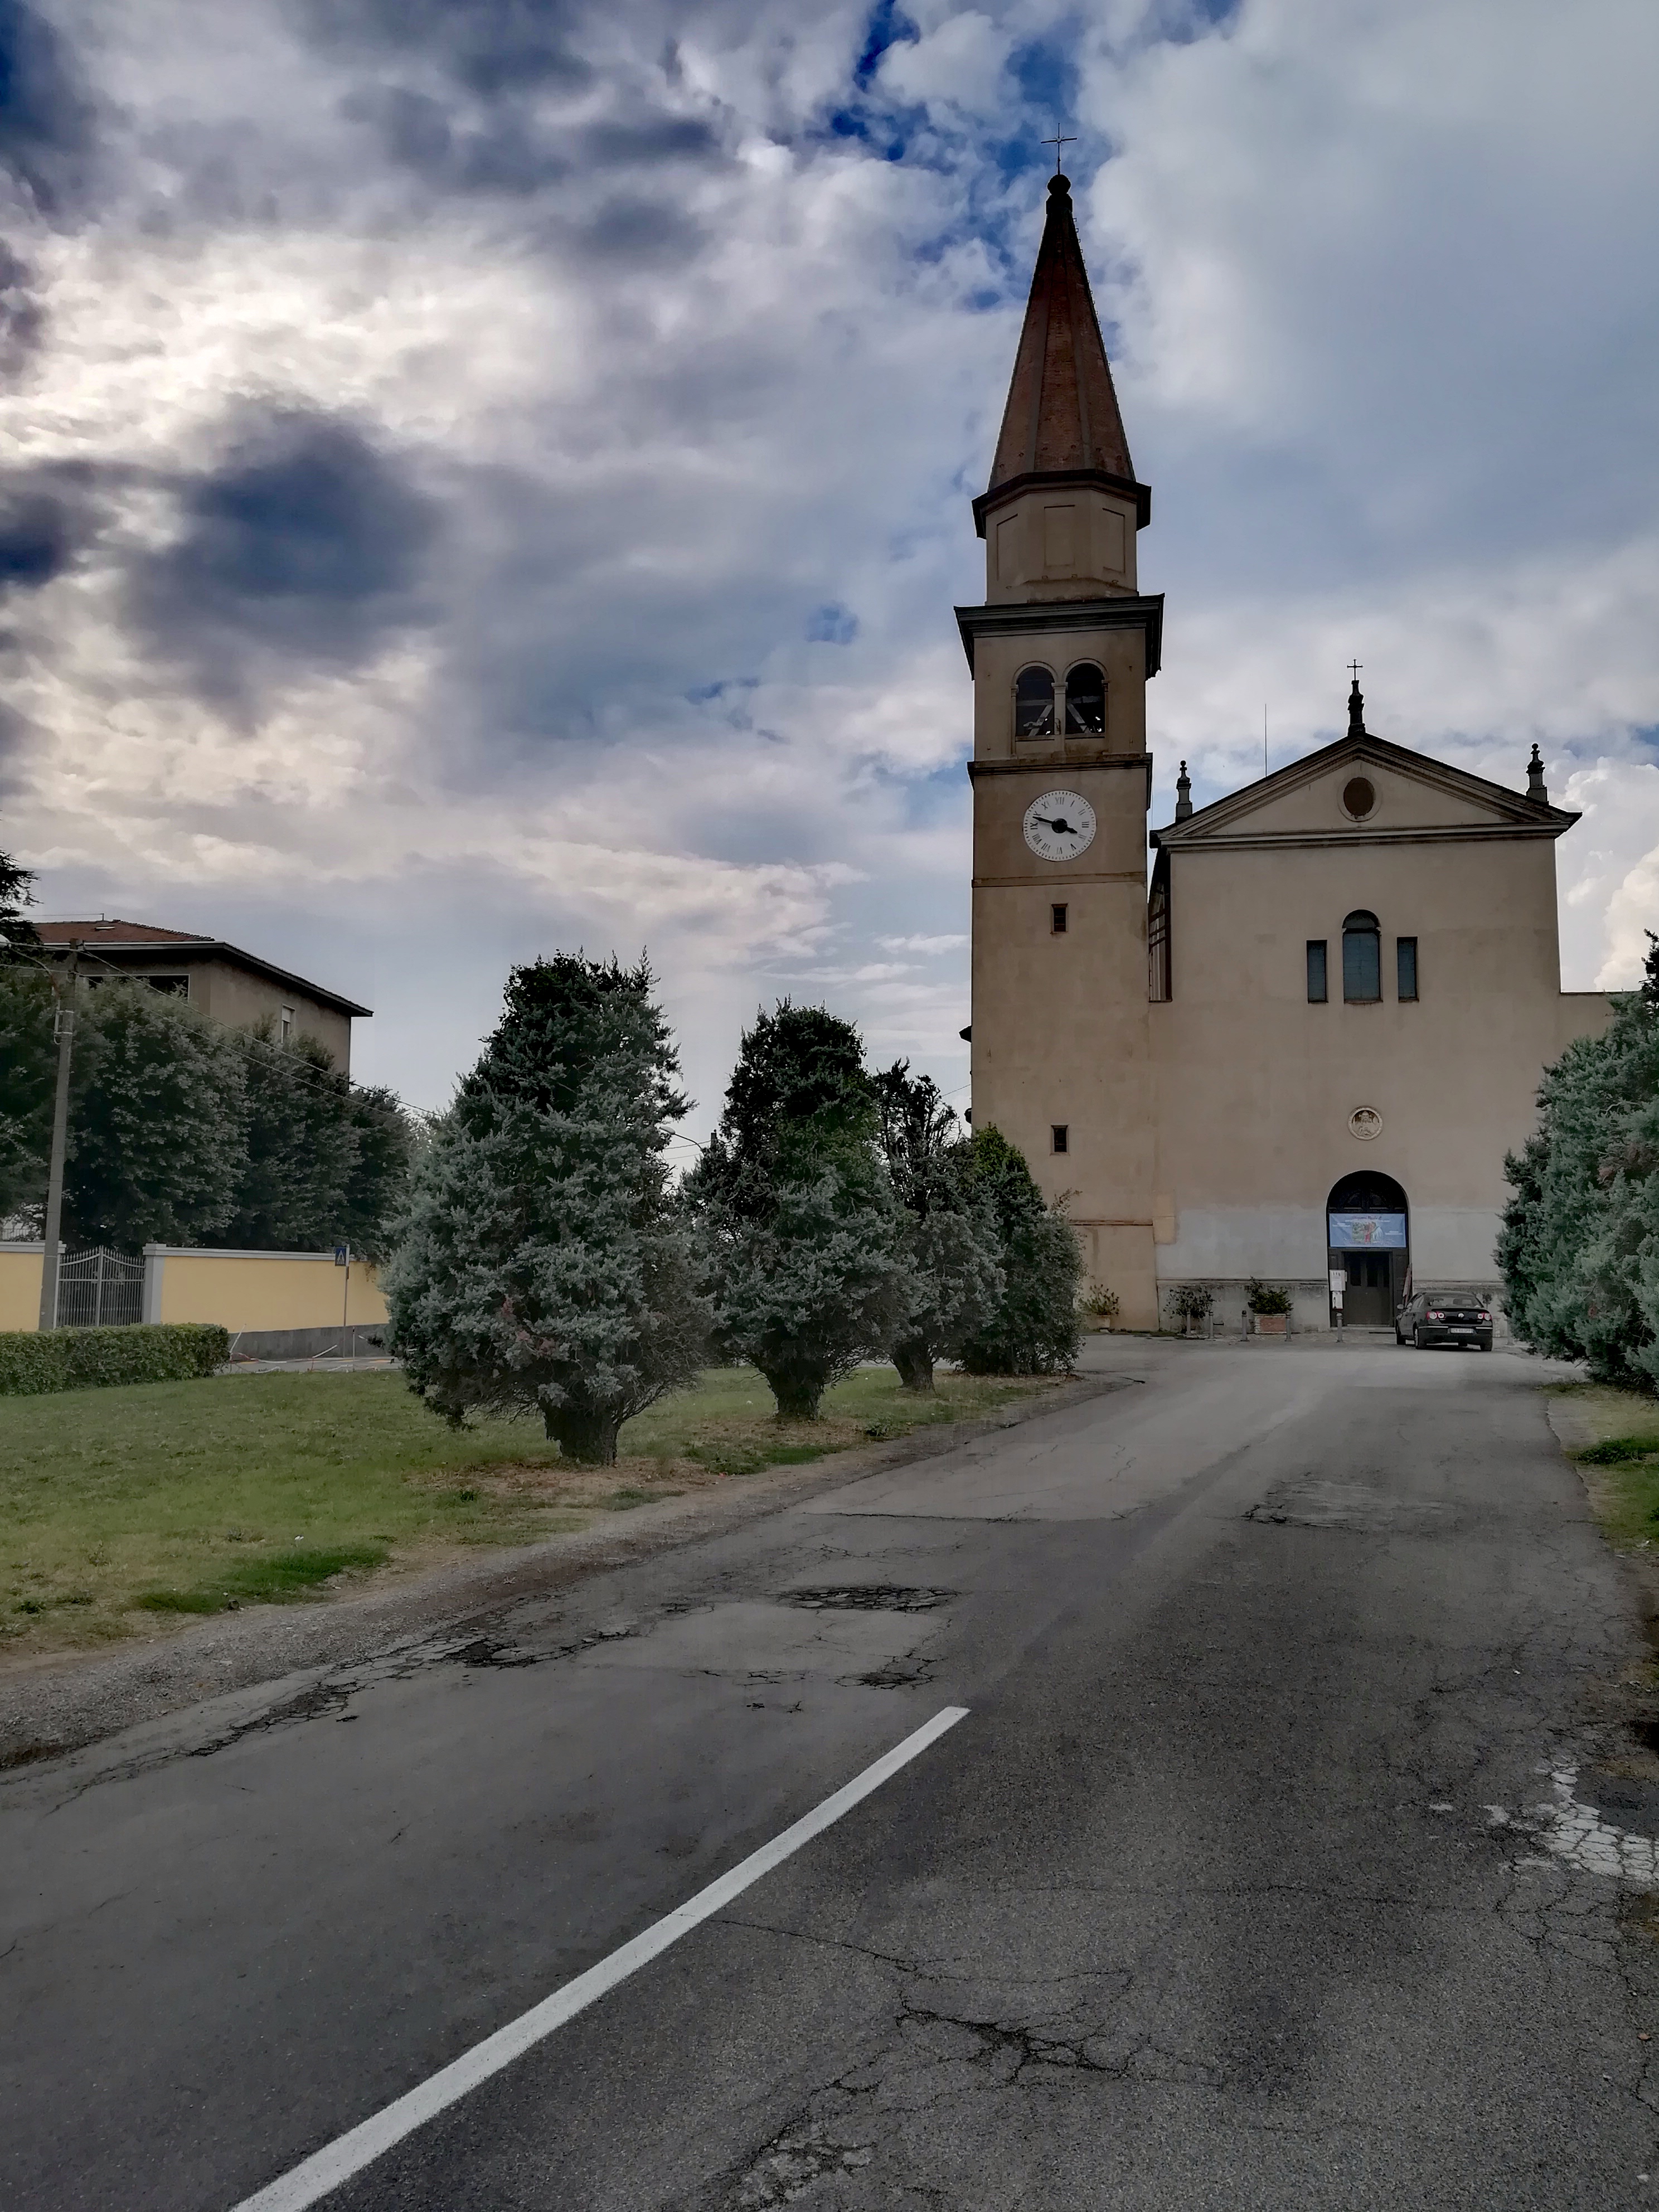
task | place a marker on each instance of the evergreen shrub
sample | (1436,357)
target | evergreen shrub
(948,1238)
(799,1233)
(1578,1250)
(1035,1328)
(86,1359)
(542,1266)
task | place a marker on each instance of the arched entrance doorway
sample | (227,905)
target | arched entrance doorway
(1368,1226)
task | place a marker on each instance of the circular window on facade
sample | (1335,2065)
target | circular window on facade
(1358,797)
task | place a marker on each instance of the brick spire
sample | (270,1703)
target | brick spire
(1062,415)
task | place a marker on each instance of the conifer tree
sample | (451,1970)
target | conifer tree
(1035,1328)
(799,1228)
(17,891)
(28,1075)
(1578,1248)
(541,1265)
(948,1238)
(301,1147)
(156,1122)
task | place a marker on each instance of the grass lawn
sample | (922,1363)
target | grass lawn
(122,1510)
(1621,1461)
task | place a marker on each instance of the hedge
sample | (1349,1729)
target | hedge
(80,1358)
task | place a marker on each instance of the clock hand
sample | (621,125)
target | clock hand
(1060,826)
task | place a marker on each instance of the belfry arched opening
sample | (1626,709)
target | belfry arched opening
(1368,1222)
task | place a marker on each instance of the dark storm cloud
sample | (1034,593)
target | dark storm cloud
(504,152)
(48,516)
(474,113)
(46,120)
(631,228)
(507,147)
(645,141)
(489,46)
(22,318)
(308,541)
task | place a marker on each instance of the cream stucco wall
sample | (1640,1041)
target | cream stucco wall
(240,998)
(249,1291)
(1056,543)
(997,663)
(240,1291)
(1255,1086)
(19,1286)
(234,996)
(1205,1133)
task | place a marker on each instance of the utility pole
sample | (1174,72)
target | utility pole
(64,1027)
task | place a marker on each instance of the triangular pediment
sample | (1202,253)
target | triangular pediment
(1414,797)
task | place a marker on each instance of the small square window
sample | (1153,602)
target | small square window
(285,1026)
(1057,921)
(1405,958)
(1317,992)
(1062,1136)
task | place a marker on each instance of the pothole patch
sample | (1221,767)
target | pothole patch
(866,1597)
(1571,1827)
(1323,1502)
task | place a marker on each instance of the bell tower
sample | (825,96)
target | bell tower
(1060,654)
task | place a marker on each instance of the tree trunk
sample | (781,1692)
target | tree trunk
(589,1439)
(915,1363)
(798,1391)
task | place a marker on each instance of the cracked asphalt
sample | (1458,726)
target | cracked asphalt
(1296,1851)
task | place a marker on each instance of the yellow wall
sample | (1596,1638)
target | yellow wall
(20,1287)
(238,1289)
(268,1290)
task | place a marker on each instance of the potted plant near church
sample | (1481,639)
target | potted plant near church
(1269,1305)
(1190,1304)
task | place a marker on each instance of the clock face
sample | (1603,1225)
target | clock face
(1059,825)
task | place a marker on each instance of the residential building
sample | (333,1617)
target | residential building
(219,980)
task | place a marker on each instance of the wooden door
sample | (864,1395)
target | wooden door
(1370,1300)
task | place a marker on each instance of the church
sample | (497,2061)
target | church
(1300,1052)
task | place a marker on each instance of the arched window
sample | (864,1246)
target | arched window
(1362,959)
(1157,943)
(1086,701)
(1034,703)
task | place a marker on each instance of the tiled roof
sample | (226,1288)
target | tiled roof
(1062,412)
(115,933)
(105,937)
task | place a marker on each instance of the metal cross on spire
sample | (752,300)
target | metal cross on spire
(1354,667)
(1061,138)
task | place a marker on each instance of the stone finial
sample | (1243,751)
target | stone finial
(1356,710)
(1537,789)
(1184,794)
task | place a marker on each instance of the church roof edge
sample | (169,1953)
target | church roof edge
(1522,815)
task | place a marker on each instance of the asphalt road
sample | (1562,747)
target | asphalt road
(1280,1861)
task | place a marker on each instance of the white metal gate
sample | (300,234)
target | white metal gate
(99,1288)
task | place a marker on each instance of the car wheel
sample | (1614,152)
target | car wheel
(1417,1337)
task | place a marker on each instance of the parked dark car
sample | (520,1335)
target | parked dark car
(1444,1317)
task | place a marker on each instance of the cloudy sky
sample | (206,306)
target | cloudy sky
(483,476)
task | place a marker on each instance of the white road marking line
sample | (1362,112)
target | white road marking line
(324,2170)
